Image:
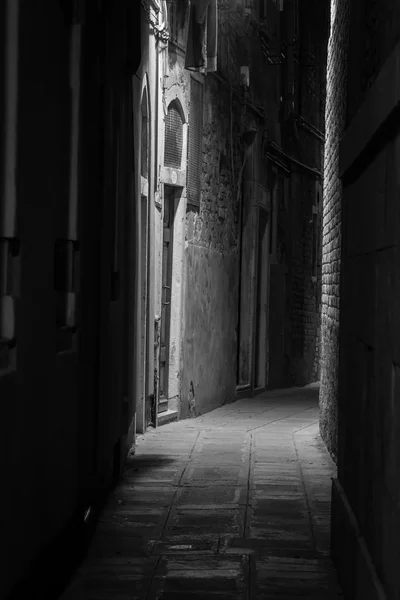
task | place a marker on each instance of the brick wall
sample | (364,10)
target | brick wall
(332,194)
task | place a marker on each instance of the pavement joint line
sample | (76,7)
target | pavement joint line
(261,412)
(192,450)
(151,578)
(310,519)
(277,420)
(306,426)
(246,526)
(177,487)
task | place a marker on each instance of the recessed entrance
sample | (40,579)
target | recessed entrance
(167,264)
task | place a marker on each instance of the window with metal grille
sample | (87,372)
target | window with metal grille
(173,137)
(195,142)
(144,142)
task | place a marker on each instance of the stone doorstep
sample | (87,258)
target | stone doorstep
(167,417)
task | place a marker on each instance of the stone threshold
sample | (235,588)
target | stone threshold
(167,417)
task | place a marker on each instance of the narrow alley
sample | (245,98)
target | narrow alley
(234,504)
(200,299)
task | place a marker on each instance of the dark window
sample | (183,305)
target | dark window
(195,142)
(144,142)
(173,138)
(176,20)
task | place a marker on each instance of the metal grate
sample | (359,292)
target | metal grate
(195,142)
(173,138)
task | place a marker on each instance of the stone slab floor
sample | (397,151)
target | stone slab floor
(231,505)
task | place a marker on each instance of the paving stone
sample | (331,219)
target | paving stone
(204,522)
(142,495)
(200,577)
(186,545)
(233,504)
(216,495)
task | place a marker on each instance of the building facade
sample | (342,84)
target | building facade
(234,202)
(360,402)
(68,244)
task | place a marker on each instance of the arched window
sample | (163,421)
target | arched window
(173,137)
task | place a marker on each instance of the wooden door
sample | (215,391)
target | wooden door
(166,296)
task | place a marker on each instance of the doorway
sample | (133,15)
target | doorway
(167,264)
(144,419)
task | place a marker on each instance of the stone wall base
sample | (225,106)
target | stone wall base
(355,569)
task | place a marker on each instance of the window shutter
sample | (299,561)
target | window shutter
(173,138)
(195,142)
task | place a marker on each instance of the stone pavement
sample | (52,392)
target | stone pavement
(231,505)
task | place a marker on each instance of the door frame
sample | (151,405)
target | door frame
(262,207)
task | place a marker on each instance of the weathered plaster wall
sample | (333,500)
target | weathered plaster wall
(208,373)
(176,348)
(331,241)
(210,314)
